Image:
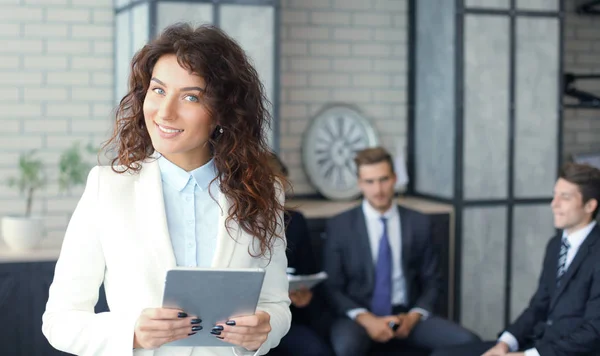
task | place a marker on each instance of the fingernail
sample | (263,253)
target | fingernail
(196,328)
(230,322)
(196,321)
(217,328)
(181,315)
(215,332)
(190,334)
(220,337)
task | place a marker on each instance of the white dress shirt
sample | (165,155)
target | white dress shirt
(576,239)
(375,231)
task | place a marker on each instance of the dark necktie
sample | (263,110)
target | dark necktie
(381,304)
(562,258)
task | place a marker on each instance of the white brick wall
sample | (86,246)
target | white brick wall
(351,51)
(56,65)
(581,127)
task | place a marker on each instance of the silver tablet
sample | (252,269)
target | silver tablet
(214,295)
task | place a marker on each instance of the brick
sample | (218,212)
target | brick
(68,15)
(65,111)
(352,34)
(329,49)
(46,2)
(45,30)
(308,33)
(68,78)
(9,94)
(291,142)
(92,3)
(9,126)
(103,110)
(92,31)
(21,45)
(9,62)
(91,94)
(329,18)
(103,47)
(298,127)
(9,158)
(309,64)
(310,4)
(45,62)
(102,79)
(390,126)
(65,141)
(401,21)
(289,80)
(352,95)
(16,111)
(46,126)
(309,95)
(586,137)
(371,81)
(10,29)
(400,81)
(293,111)
(399,50)
(390,5)
(377,110)
(101,16)
(352,65)
(329,80)
(389,96)
(68,47)
(290,48)
(591,34)
(371,20)
(294,17)
(395,35)
(18,13)
(90,63)
(16,78)
(352,4)
(91,126)
(588,58)
(391,66)
(371,50)
(45,94)
(9,2)
(19,143)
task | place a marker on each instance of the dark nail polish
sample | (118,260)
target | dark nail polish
(230,322)
(196,328)
(182,315)
(196,321)
(190,334)
(217,328)
(220,337)
(215,332)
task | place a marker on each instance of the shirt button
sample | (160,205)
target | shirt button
(190,222)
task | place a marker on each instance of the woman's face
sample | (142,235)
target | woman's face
(178,121)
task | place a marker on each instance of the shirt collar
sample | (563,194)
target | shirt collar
(577,237)
(371,213)
(178,178)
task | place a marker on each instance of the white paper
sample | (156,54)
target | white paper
(306,281)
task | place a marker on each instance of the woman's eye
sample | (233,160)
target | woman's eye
(192,98)
(158,91)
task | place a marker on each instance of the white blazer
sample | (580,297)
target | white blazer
(118,235)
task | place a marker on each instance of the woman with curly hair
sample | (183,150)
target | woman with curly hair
(190,185)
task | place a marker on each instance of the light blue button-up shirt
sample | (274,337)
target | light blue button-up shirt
(192,214)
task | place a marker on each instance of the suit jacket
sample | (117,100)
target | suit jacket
(349,262)
(565,320)
(118,236)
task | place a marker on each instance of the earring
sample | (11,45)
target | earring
(221,130)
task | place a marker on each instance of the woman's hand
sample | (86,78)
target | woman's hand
(157,326)
(301,297)
(249,332)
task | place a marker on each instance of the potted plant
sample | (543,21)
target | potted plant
(22,232)
(72,167)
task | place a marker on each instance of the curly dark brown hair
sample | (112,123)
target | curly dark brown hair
(236,100)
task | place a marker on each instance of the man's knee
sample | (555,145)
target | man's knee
(348,338)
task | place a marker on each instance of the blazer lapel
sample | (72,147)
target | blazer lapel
(227,239)
(151,218)
(364,245)
(581,255)
(405,237)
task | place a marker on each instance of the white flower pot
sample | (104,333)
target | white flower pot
(22,233)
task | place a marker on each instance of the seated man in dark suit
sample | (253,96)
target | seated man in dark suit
(309,315)
(383,269)
(563,317)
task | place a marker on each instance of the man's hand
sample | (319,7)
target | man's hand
(301,298)
(378,328)
(500,349)
(407,323)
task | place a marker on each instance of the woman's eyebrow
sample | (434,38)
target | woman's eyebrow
(154,79)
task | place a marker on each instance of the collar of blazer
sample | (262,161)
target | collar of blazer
(151,218)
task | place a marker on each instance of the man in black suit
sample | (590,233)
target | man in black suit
(563,317)
(383,270)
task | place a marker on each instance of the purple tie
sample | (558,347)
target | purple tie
(381,304)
